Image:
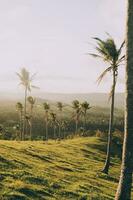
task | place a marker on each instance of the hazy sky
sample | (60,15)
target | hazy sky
(52,37)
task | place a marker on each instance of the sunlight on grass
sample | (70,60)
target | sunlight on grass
(68,169)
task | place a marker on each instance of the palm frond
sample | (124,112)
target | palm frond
(95,55)
(121,59)
(35,87)
(120,49)
(104,73)
(33,76)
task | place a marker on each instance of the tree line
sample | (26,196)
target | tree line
(51,119)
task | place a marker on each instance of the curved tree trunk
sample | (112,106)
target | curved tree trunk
(24,123)
(107,162)
(125,182)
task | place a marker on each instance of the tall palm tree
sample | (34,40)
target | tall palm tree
(31,101)
(125,182)
(19,108)
(26,82)
(60,108)
(53,122)
(77,107)
(46,107)
(85,106)
(108,52)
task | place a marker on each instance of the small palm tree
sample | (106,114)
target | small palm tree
(108,52)
(77,107)
(31,101)
(26,82)
(85,106)
(46,107)
(53,122)
(19,108)
(60,108)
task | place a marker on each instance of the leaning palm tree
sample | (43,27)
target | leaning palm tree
(25,81)
(85,106)
(19,108)
(31,101)
(46,107)
(77,107)
(54,123)
(60,108)
(108,52)
(125,182)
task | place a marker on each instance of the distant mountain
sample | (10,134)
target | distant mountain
(95,99)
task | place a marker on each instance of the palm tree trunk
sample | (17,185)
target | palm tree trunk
(54,132)
(31,112)
(85,121)
(31,128)
(46,125)
(59,131)
(24,124)
(76,125)
(21,131)
(46,129)
(107,161)
(125,182)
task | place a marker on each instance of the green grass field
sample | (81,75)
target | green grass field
(63,170)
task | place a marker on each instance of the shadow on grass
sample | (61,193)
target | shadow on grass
(36,180)
(41,157)
(34,194)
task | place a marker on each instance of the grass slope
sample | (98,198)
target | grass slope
(57,170)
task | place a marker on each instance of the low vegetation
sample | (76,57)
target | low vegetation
(67,169)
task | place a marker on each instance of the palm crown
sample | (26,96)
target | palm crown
(26,79)
(46,106)
(108,52)
(19,106)
(85,106)
(60,106)
(31,100)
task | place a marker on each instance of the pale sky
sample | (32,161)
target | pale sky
(52,37)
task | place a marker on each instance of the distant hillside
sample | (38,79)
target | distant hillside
(95,99)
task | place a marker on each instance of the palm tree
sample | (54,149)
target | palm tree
(25,81)
(53,122)
(77,107)
(85,106)
(46,107)
(31,101)
(60,108)
(19,108)
(125,182)
(108,52)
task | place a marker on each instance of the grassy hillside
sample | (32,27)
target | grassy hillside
(57,170)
